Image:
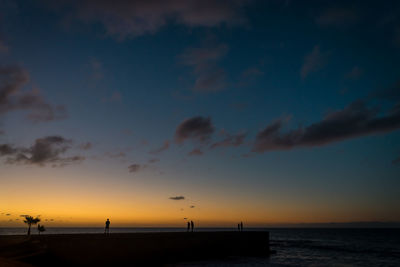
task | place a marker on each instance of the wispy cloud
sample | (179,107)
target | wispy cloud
(230,140)
(135,167)
(313,62)
(86,146)
(126,19)
(162,148)
(196,152)
(209,77)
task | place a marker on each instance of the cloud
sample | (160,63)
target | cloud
(177,198)
(127,19)
(195,152)
(230,140)
(6,149)
(313,62)
(209,77)
(47,150)
(196,128)
(12,79)
(353,121)
(136,167)
(164,147)
(192,207)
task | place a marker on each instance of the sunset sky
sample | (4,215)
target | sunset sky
(149,112)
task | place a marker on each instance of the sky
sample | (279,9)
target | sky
(152,113)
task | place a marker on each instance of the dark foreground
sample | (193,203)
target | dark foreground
(129,249)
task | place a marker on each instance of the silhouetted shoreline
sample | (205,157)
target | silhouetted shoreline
(131,249)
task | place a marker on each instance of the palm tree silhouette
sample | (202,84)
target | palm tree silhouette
(41,228)
(29,220)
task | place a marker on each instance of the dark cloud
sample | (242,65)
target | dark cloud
(164,147)
(12,79)
(124,19)
(396,161)
(353,121)
(135,167)
(177,198)
(47,150)
(230,140)
(196,128)
(209,77)
(313,62)
(6,149)
(195,152)
(192,207)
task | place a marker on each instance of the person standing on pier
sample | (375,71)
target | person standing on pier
(192,225)
(241,226)
(188,226)
(107,229)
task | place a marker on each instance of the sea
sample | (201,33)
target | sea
(293,246)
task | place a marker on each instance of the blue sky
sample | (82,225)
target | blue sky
(131,77)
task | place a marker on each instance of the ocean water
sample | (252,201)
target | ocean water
(294,247)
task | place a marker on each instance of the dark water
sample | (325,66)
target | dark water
(294,247)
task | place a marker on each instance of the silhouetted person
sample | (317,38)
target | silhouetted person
(188,226)
(192,225)
(241,226)
(107,230)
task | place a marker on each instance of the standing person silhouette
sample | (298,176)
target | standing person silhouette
(192,225)
(107,229)
(188,226)
(241,226)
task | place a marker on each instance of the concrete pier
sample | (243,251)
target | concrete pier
(136,249)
